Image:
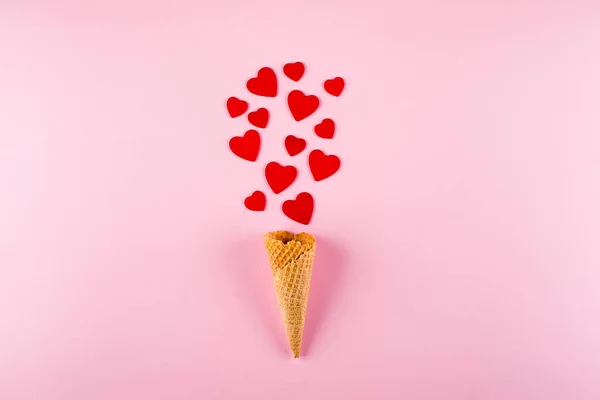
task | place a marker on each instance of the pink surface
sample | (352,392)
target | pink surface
(458,247)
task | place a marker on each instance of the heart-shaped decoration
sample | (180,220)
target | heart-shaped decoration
(280,177)
(294,145)
(264,84)
(247,146)
(301,105)
(259,118)
(294,71)
(256,202)
(322,166)
(326,129)
(334,86)
(236,107)
(301,209)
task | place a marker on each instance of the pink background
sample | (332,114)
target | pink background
(458,246)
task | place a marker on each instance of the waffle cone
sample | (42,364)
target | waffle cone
(291,258)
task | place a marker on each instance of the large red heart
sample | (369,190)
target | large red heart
(294,71)
(322,166)
(294,145)
(301,105)
(246,146)
(264,84)
(301,209)
(279,177)
(334,86)
(236,107)
(259,118)
(325,129)
(256,202)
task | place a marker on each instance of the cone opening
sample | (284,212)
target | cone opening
(286,237)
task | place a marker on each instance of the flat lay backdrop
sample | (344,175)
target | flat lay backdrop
(458,250)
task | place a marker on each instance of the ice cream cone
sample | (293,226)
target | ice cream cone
(291,258)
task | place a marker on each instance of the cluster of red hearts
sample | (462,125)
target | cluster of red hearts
(301,106)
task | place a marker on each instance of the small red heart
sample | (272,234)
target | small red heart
(301,105)
(294,145)
(256,202)
(236,107)
(259,118)
(322,166)
(264,84)
(334,86)
(279,177)
(294,71)
(246,146)
(325,129)
(301,209)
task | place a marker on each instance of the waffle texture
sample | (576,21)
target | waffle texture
(291,258)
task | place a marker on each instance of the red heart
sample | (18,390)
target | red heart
(325,129)
(301,209)
(256,202)
(302,106)
(236,107)
(259,118)
(334,86)
(246,146)
(322,166)
(294,71)
(264,84)
(279,177)
(294,145)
